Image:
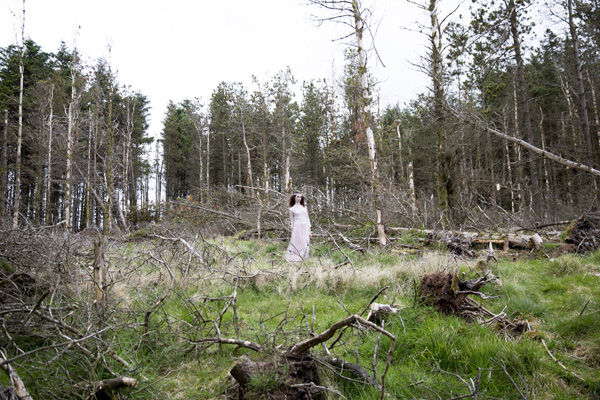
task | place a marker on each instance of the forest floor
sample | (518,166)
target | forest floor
(179,312)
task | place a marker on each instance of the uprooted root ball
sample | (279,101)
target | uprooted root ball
(436,290)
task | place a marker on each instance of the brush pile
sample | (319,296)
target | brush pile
(584,232)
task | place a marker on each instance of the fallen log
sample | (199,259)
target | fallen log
(509,240)
(240,343)
(110,384)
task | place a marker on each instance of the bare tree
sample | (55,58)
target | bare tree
(71,116)
(583,108)
(353,14)
(4,166)
(530,147)
(17,195)
(49,156)
(523,99)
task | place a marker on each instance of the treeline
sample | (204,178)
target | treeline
(74,142)
(490,75)
(442,154)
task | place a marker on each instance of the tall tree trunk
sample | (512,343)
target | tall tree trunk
(4,166)
(49,159)
(70,129)
(287,179)
(548,193)
(524,105)
(208,161)
(566,176)
(197,121)
(443,165)
(158,165)
(583,109)
(401,162)
(37,206)
(411,182)
(366,120)
(249,180)
(17,185)
(596,110)
(108,165)
(129,186)
(88,208)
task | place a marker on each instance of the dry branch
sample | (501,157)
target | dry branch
(300,349)
(472,119)
(110,384)
(241,343)
(355,369)
(162,299)
(99,270)
(559,363)
(18,387)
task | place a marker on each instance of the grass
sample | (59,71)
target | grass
(247,291)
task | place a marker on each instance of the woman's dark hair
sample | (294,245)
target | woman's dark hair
(292,202)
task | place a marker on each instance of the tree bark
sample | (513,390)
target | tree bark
(108,162)
(70,128)
(366,120)
(99,270)
(18,387)
(87,205)
(596,111)
(583,109)
(443,179)
(17,188)
(524,103)
(249,180)
(48,208)
(4,166)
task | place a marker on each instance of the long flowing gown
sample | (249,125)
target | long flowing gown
(298,248)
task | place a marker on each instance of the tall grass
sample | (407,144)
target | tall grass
(246,290)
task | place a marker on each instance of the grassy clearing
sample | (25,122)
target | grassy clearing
(245,290)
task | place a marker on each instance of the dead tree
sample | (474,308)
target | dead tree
(354,15)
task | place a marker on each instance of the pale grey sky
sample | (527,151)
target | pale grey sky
(178,49)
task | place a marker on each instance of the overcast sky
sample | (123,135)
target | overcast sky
(182,49)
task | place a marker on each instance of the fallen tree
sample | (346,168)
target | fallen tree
(472,119)
(302,380)
(461,243)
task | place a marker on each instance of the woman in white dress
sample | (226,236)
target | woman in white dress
(298,248)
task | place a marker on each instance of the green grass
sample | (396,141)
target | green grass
(277,304)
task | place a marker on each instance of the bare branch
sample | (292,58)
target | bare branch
(566,162)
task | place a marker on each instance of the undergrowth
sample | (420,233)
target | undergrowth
(240,289)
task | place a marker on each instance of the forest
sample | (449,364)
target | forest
(75,147)
(127,259)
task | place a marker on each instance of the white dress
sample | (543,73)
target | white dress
(298,248)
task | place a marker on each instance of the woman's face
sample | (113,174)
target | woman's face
(298,198)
